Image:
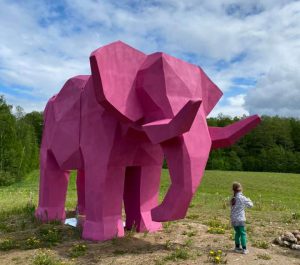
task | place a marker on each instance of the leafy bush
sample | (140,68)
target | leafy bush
(178,254)
(32,243)
(295,216)
(8,244)
(77,250)
(260,244)
(50,235)
(45,258)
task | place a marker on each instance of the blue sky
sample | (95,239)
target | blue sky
(249,48)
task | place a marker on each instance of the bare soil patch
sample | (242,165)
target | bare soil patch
(184,242)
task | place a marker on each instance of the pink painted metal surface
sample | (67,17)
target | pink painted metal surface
(115,126)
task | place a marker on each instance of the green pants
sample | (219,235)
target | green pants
(240,236)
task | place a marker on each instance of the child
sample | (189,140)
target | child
(238,218)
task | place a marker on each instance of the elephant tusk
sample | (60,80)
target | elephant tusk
(163,130)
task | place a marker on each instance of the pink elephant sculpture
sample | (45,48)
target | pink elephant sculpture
(115,126)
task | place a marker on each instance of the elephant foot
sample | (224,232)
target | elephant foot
(144,224)
(164,214)
(46,214)
(101,231)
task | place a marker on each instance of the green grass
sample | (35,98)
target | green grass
(7,244)
(274,194)
(260,244)
(45,257)
(77,250)
(268,187)
(19,194)
(264,256)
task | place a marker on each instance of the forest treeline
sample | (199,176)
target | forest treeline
(274,146)
(20,136)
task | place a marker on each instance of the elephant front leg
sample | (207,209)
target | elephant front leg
(140,196)
(53,189)
(104,194)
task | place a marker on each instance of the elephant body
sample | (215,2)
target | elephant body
(115,126)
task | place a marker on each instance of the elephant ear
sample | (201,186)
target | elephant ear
(114,69)
(211,94)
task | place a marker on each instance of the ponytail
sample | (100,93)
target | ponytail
(233,201)
(236,187)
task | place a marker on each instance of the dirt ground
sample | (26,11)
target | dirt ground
(184,242)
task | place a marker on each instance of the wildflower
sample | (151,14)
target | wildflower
(211,252)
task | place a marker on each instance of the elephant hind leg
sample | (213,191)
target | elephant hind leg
(141,191)
(53,189)
(80,184)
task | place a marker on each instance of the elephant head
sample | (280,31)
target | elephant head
(168,100)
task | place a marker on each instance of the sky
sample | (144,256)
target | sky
(249,48)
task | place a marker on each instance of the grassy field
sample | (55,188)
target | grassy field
(273,193)
(277,209)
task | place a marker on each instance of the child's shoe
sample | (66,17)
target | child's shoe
(245,251)
(238,250)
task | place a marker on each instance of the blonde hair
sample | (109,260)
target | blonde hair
(236,187)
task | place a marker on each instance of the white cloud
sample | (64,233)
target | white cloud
(232,106)
(277,93)
(27,105)
(251,38)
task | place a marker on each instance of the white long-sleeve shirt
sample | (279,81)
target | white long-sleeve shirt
(238,216)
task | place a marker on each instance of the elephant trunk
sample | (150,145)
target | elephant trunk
(186,157)
(226,136)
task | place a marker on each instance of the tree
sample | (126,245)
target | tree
(35,119)
(18,144)
(295,133)
(9,145)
